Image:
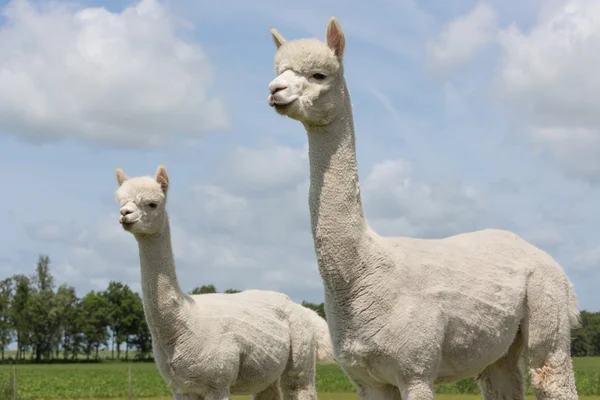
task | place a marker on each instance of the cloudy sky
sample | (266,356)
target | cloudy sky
(468,114)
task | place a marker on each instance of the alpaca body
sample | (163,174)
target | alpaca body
(208,347)
(465,295)
(403,313)
(247,337)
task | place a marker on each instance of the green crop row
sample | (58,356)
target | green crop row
(110,380)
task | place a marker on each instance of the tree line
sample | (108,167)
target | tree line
(51,323)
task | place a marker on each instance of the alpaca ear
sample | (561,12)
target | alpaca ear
(121,176)
(277,38)
(335,37)
(162,177)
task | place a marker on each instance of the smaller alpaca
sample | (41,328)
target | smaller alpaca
(208,347)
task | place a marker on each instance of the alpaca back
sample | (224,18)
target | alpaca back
(323,339)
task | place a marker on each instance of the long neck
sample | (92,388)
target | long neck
(164,301)
(337,218)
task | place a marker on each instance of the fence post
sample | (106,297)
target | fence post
(130,384)
(15,382)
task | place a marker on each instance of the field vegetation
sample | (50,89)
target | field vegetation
(110,380)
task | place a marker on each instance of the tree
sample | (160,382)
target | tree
(141,340)
(231,291)
(133,319)
(121,302)
(6,292)
(586,339)
(43,279)
(93,321)
(204,289)
(579,346)
(20,310)
(114,298)
(67,334)
(44,322)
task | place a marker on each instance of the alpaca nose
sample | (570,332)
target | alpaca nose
(125,211)
(277,86)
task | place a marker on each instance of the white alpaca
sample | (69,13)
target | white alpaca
(213,345)
(407,313)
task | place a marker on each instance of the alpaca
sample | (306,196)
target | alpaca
(407,313)
(211,346)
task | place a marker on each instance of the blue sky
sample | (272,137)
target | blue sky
(468,115)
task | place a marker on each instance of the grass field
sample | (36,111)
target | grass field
(110,380)
(353,396)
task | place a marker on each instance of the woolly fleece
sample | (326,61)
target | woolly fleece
(406,313)
(214,345)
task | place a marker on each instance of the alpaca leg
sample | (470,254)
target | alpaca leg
(220,394)
(419,390)
(548,336)
(503,380)
(552,376)
(298,381)
(271,392)
(298,386)
(187,396)
(387,392)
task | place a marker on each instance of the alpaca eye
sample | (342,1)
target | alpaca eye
(319,76)
(152,205)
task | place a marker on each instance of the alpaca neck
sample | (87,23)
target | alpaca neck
(163,298)
(337,218)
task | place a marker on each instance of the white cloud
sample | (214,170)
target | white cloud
(588,261)
(115,79)
(400,204)
(461,38)
(550,80)
(545,236)
(46,230)
(268,167)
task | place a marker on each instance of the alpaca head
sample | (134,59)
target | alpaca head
(142,200)
(309,86)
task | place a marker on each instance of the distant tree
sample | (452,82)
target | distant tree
(586,340)
(231,291)
(141,340)
(20,312)
(120,309)
(6,330)
(579,345)
(204,289)
(40,329)
(43,279)
(93,314)
(44,322)
(68,335)
(132,321)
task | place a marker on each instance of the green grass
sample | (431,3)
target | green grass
(586,364)
(353,396)
(110,380)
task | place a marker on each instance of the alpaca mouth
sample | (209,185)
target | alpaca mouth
(281,104)
(283,108)
(127,225)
